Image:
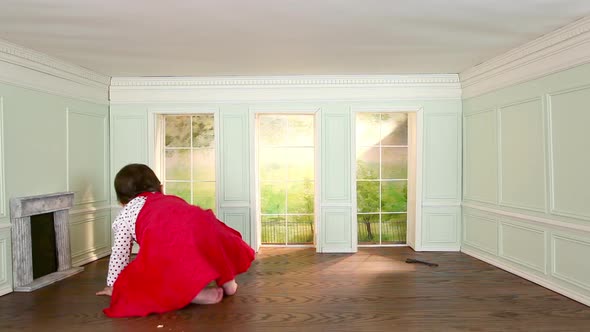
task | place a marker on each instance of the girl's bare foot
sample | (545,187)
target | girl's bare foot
(230,287)
(209,295)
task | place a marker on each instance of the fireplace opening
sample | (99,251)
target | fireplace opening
(44,248)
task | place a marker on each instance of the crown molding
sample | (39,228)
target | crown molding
(38,71)
(283,88)
(316,81)
(564,48)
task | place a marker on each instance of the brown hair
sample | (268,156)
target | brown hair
(133,180)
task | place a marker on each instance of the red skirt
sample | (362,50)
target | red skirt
(182,249)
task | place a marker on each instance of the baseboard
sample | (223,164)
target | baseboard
(531,277)
(90,257)
(5,290)
(337,251)
(454,248)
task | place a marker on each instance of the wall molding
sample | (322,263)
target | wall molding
(567,225)
(559,50)
(105,152)
(531,277)
(231,122)
(493,251)
(3,198)
(465,146)
(551,146)
(98,249)
(554,272)
(439,204)
(455,228)
(428,196)
(92,210)
(126,90)
(499,135)
(502,229)
(37,71)
(453,247)
(4,259)
(438,80)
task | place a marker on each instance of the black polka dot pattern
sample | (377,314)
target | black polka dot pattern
(124,228)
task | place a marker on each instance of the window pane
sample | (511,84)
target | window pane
(180,189)
(178,131)
(272,129)
(301,165)
(393,228)
(178,164)
(367,129)
(367,195)
(204,195)
(203,131)
(203,165)
(394,129)
(394,195)
(300,197)
(300,130)
(272,164)
(367,163)
(394,163)
(273,229)
(300,229)
(368,228)
(272,197)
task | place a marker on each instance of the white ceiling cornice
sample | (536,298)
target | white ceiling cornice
(328,81)
(559,50)
(38,71)
(283,88)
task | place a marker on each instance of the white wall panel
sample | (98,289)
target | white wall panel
(522,155)
(524,245)
(441,228)
(570,160)
(90,236)
(235,157)
(336,157)
(442,162)
(129,139)
(336,230)
(543,208)
(570,260)
(88,155)
(480,157)
(481,232)
(238,218)
(5,261)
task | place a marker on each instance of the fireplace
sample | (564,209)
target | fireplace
(40,240)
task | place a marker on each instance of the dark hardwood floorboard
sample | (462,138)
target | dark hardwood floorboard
(299,290)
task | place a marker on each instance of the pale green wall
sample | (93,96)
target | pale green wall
(54,144)
(526,199)
(441,155)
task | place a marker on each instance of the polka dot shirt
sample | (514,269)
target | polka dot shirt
(124,229)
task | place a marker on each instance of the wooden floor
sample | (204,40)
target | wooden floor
(299,290)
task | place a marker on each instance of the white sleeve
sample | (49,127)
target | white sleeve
(124,228)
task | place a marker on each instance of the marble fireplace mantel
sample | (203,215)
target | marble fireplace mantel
(21,210)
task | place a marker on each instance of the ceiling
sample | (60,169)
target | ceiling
(280,37)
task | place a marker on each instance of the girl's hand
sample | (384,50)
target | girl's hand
(108,291)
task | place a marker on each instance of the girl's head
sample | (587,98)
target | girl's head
(133,180)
